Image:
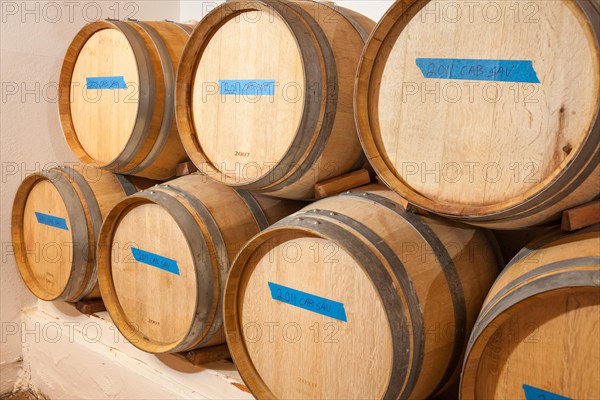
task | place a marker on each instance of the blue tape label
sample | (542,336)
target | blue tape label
(105,82)
(307,301)
(51,220)
(478,70)
(247,87)
(154,260)
(533,393)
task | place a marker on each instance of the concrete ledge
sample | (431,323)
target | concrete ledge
(72,356)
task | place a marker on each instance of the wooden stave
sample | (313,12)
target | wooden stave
(168,112)
(576,184)
(146,143)
(191,55)
(554,237)
(146,81)
(79,228)
(164,139)
(85,213)
(306,222)
(512,290)
(233,324)
(309,143)
(323,148)
(202,232)
(574,279)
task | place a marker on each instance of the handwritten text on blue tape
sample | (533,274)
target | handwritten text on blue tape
(478,70)
(247,87)
(105,83)
(307,301)
(51,220)
(533,393)
(154,260)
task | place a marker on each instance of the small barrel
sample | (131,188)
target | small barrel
(164,255)
(264,95)
(355,298)
(537,334)
(56,218)
(485,112)
(117,96)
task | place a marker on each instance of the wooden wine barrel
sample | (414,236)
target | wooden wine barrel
(355,298)
(117,96)
(164,255)
(486,112)
(264,95)
(537,335)
(56,218)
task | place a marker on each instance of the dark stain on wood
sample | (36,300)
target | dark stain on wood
(560,150)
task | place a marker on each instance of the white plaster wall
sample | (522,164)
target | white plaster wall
(34,36)
(71,356)
(374,9)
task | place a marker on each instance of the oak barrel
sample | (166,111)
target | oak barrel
(537,334)
(264,95)
(485,112)
(353,297)
(56,218)
(117,96)
(164,255)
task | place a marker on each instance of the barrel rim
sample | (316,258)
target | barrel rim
(449,271)
(561,278)
(168,113)
(303,222)
(313,146)
(258,214)
(554,236)
(219,261)
(94,222)
(79,229)
(191,56)
(202,271)
(146,95)
(542,196)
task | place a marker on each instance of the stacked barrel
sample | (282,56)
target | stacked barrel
(117,114)
(473,116)
(479,117)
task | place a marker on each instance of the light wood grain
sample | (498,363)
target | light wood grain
(332,358)
(309,359)
(547,339)
(282,144)
(455,147)
(48,256)
(244,130)
(132,130)
(102,118)
(337,185)
(55,263)
(197,224)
